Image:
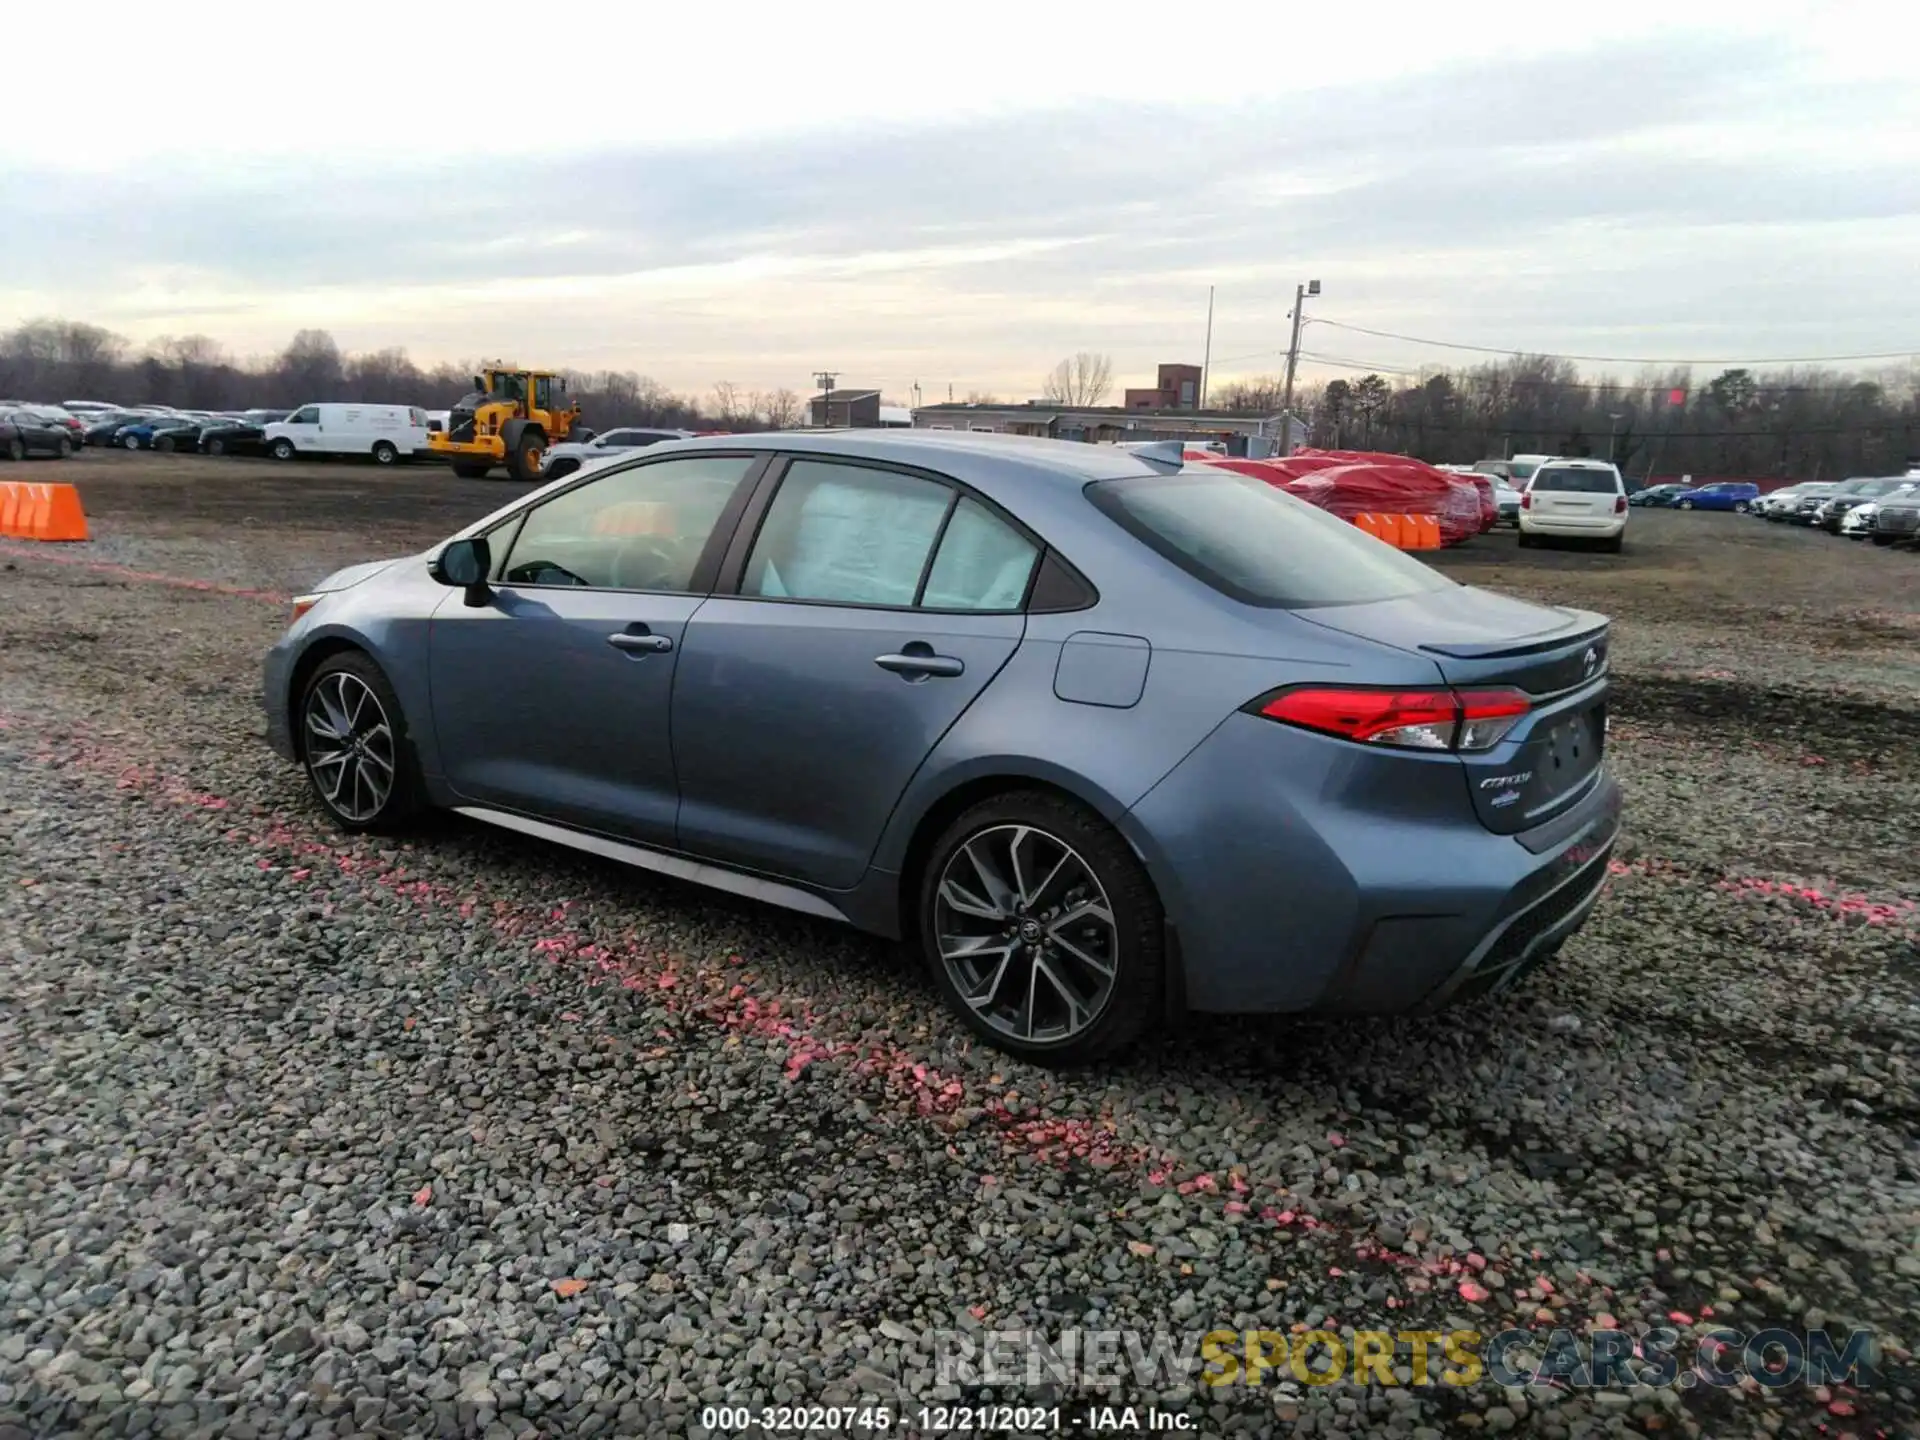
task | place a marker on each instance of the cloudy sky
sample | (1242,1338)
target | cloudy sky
(959,195)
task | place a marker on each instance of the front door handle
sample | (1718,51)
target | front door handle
(917,661)
(640,642)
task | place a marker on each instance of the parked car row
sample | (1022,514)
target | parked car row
(1881,508)
(25,432)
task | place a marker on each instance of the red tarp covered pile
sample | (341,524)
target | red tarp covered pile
(1350,482)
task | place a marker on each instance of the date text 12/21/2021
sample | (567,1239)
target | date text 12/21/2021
(942,1420)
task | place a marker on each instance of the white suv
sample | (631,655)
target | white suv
(1575,500)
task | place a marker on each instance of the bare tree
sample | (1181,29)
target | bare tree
(780,409)
(981,397)
(1263,394)
(1082,379)
(728,403)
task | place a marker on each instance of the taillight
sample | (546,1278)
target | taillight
(1526,499)
(1620,505)
(1405,719)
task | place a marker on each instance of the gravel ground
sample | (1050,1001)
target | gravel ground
(463,1134)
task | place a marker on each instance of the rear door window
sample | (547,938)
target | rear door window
(848,534)
(1580,482)
(1249,540)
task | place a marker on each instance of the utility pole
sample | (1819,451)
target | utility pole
(1206,359)
(825,379)
(1612,421)
(1300,293)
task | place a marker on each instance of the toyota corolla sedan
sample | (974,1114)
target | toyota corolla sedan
(1103,736)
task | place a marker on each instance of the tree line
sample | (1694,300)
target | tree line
(1801,423)
(55,360)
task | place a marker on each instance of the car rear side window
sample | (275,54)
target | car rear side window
(1251,541)
(983,563)
(1568,479)
(849,534)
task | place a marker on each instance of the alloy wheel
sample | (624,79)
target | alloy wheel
(1026,933)
(350,749)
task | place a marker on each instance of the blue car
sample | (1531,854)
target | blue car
(1101,736)
(1722,495)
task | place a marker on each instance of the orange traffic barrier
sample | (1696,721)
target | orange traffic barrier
(1364,521)
(41,512)
(1389,530)
(1427,529)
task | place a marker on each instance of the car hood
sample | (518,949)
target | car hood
(355,575)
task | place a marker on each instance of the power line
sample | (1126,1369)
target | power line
(1598,387)
(1616,359)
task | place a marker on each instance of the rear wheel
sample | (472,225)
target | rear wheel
(1526,540)
(354,746)
(282,449)
(215,447)
(1042,929)
(1614,545)
(164,444)
(384,453)
(64,448)
(1742,506)
(1686,504)
(132,442)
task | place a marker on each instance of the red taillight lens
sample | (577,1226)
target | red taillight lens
(1405,719)
(1620,505)
(1526,500)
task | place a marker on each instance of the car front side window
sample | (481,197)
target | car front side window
(639,529)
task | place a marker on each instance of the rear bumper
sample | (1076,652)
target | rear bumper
(1599,527)
(1307,878)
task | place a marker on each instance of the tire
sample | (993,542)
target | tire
(1614,545)
(64,448)
(16,449)
(471,469)
(565,465)
(215,447)
(348,696)
(384,453)
(1740,507)
(164,444)
(281,449)
(132,442)
(1082,861)
(1883,539)
(523,460)
(1527,540)
(1685,505)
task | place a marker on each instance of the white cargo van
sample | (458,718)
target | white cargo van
(386,433)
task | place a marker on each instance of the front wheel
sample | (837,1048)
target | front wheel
(215,447)
(1741,506)
(64,448)
(384,453)
(354,746)
(471,469)
(1686,504)
(16,449)
(132,442)
(282,449)
(1042,929)
(523,461)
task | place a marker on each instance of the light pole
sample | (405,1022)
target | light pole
(1300,294)
(1612,420)
(825,380)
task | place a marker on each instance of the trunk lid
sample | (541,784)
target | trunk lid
(1478,639)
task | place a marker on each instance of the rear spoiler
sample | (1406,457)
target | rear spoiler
(1161,454)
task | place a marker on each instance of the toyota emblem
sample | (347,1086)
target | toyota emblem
(1592,660)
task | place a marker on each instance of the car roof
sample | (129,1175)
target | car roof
(962,453)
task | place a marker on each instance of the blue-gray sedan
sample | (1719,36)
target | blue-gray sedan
(1105,738)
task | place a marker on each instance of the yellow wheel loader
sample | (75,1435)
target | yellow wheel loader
(510,419)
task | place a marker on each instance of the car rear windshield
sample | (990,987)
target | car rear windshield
(1249,540)
(1586,482)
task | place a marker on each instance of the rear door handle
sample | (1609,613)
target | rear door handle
(918,662)
(640,642)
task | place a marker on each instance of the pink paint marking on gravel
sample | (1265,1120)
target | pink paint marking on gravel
(1895,912)
(144,577)
(720,995)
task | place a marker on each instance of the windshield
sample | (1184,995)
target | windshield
(1586,482)
(1253,542)
(1523,469)
(1874,487)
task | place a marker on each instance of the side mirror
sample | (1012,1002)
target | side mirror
(466,565)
